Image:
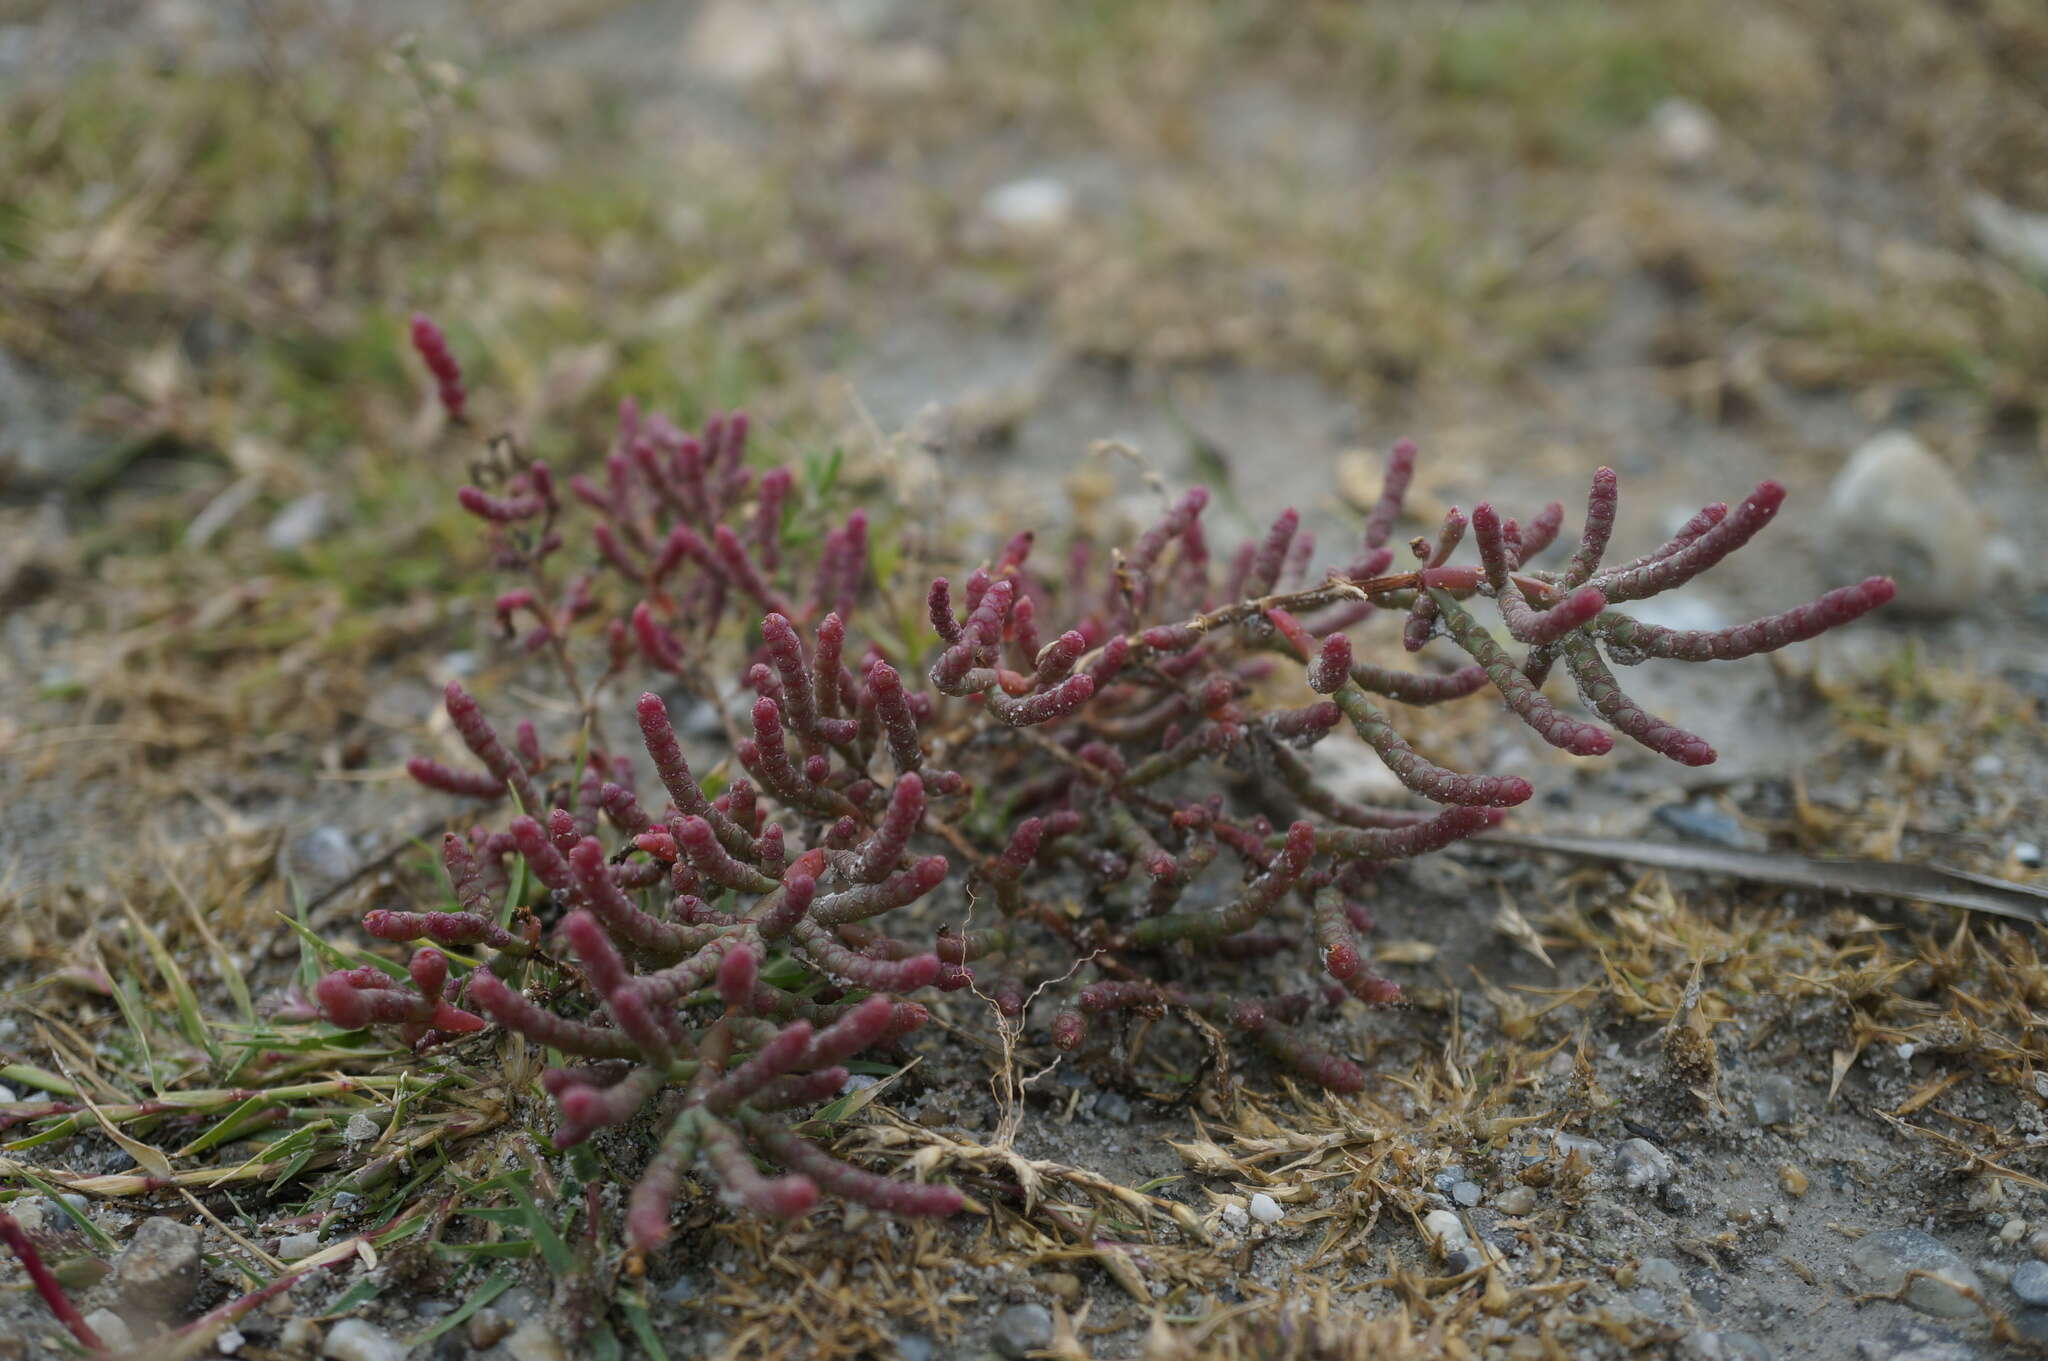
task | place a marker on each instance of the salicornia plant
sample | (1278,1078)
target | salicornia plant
(1050,744)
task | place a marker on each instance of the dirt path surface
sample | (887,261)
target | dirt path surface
(1021,264)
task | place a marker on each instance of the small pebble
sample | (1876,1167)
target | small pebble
(1947,1290)
(915,1347)
(294,1246)
(1113,1106)
(1029,208)
(1516,1200)
(1791,1181)
(1022,1329)
(1640,1163)
(2028,853)
(534,1341)
(1466,1193)
(229,1342)
(486,1328)
(1726,1346)
(1265,1209)
(1675,1199)
(2030,1282)
(1989,766)
(1661,1272)
(159,1268)
(1703,820)
(1774,1101)
(2012,1231)
(1561,1143)
(1444,1229)
(1897,508)
(112,1329)
(354,1339)
(2031,1325)
(1684,132)
(2037,1243)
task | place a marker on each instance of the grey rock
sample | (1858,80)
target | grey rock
(2037,1243)
(1915,1344)
(300,522)
(915,1347)
(159,1269)
(2030,1282)
(326,855)
(1947,1290)
(40,446)
(294,1246)
(1022,1329)
(355,1339)
(1459,1262)
(1466,1193)
(1703,820)
(1661,1272)
(1113,1107)
(1897,510)
(1640,1164)
(1774,1100)
(2031,1324)
(1725,1346)
(1675,1199)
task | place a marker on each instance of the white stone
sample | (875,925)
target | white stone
(353,1339)
(359,1129)
(1896,510)
(1033,207)
(300,522)
(1686,133)
(113,1330)
(2019,238)
(1265,1209)
(1445,1230)
(229,1342)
